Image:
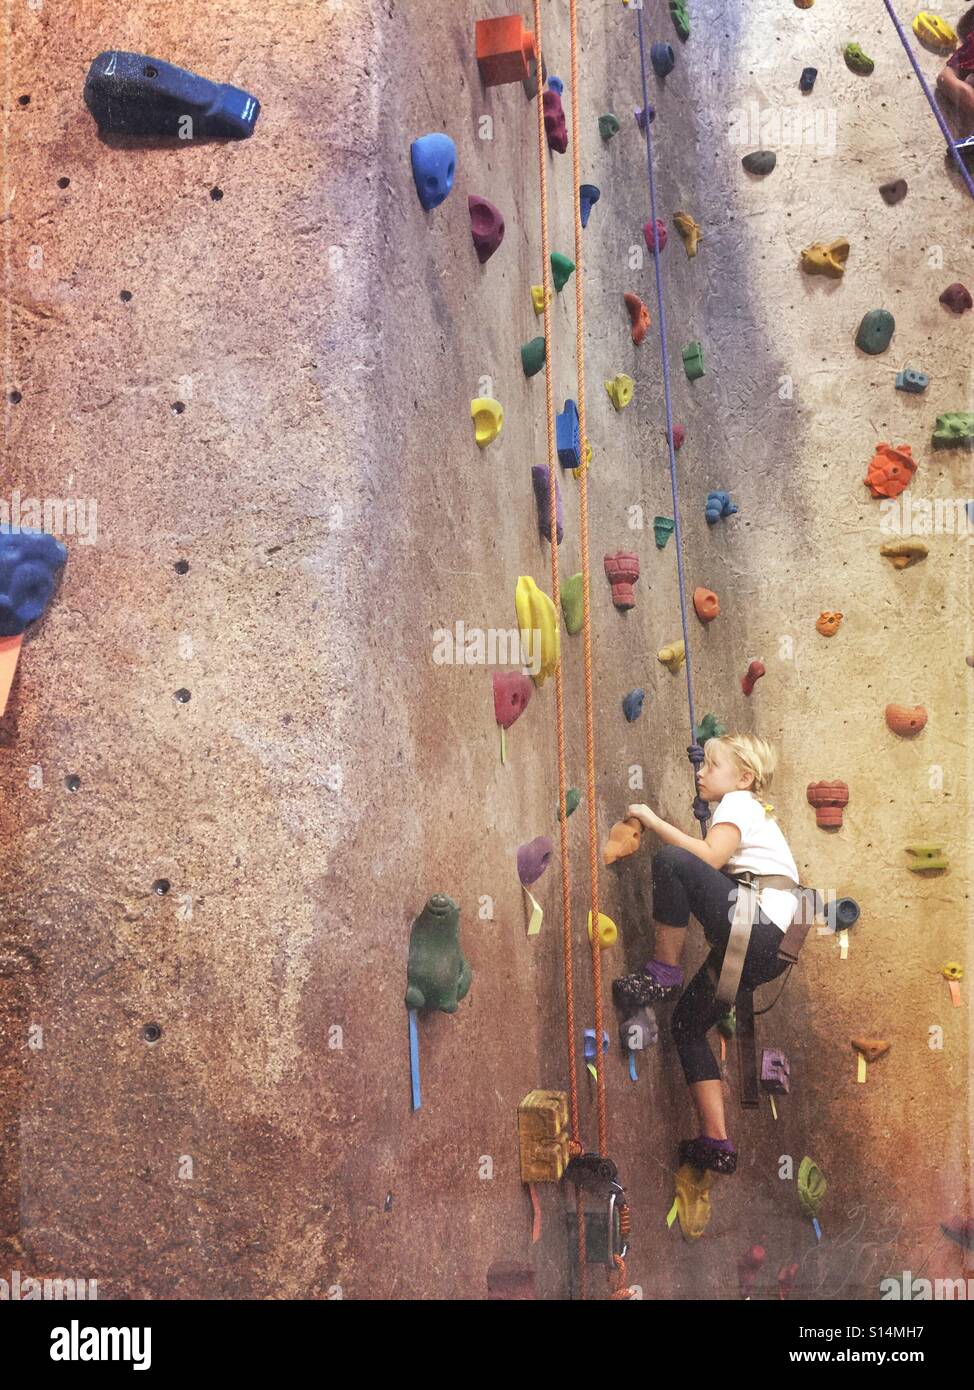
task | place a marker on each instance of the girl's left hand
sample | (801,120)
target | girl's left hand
(643,814)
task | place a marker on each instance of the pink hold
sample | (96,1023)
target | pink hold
(486,227)
(660,233)
(748,1269)
(512,691)
(957,298)
(679,434)
(555,125)
(754,673)
(533,858)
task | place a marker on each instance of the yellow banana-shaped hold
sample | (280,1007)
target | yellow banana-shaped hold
(689,230)
(620,390)
(673,656)
(488,419)
(538,625)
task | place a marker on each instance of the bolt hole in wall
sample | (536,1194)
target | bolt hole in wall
(125,296)
(182,696)
(72,782)
(161,886)
(151,1032)
(63,181)
(181,567)
(24,100)
(177,407)
(216,194)
(14,397)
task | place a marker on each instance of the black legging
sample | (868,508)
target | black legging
(683,883)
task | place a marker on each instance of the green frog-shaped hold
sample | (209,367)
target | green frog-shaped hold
(437,974)
(955,430)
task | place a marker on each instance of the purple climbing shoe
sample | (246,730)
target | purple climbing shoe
(653,984)
(719,1155)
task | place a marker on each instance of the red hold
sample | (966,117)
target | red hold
(486,227)
(555,126)
(512,691)
(828,798)
(638,317)
(748,1269)
(787,1275)
(622,571)
(957,298)
(754,673)
(660,233)
(679,434)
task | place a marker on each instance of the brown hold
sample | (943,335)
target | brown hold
(957,298)
(828,798)
(624,839)
(904,553)
(638,317)
(706,604)
(828,623)
(890,470)
(906,721)
(871,1048)
(753,673)
(622,571)
(510,1282)
(542,1129)
(894,191)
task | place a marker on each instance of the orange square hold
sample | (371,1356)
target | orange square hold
(505,50)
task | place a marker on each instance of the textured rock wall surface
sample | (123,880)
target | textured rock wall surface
(324,337)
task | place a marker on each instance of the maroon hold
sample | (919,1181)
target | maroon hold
(754,673)
(660,233)
(622,571)
(533,858)
(894,191)
(542,495)
(512,691)
(957,298)
(510,1282)
(486,227)
(555,126)
(679,434)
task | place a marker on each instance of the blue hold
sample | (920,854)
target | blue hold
(644,114)
(555,84)
(29,562)
(663,59)
(807,80)
(567,437)
(632,704)
(588,196)
(911,380)
(434,165)
(970,512)
(718,505)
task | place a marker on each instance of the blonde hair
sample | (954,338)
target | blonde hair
(752,754)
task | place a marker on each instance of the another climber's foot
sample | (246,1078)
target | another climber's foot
(719,1155)
(655,983)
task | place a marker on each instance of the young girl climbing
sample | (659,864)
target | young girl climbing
(954,84)
(696,876)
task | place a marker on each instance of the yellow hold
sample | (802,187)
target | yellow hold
(538,625)
(537,298)
(608,931)
(620,390)
(673,656)
(830,259)
(693,1200)
(488,419)
(689,231)
(931,29)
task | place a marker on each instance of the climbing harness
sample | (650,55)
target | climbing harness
(749,890)
(953,146)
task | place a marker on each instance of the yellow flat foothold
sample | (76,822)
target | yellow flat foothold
(539,629)
(9,656)
(608,931)
(537,298)
(935,32)
(673,656)
(488,419)
(903,553)
(620,390)
(689,231)
(823,258)
(693,1200)
(586,460)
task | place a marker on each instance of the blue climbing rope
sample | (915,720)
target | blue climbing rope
(951,142)
(694,751)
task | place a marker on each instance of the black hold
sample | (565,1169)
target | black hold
(807,80)
(134,94)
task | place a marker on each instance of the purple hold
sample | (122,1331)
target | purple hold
(533,858)
(775,1071)
(644,114)
(539,476)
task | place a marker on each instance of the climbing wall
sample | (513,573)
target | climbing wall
(204,1055)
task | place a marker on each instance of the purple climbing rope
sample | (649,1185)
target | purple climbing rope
(694,751)
(951,142)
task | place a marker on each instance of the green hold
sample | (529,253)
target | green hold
(709,727)
(663,527)
(955,430)
(857,60)
(532,356)
(760,161)
(561,269)
(681,17)
(438,976)
(727,1026)
(693,361)
(572,603)
(811,1187)
(875,331)
(608,125)
(572,797)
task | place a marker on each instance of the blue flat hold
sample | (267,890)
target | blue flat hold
(567,440)
(644,114)
(663,59)
(434,160)
(909,379)
(555,84)
(588,196)
(632,704)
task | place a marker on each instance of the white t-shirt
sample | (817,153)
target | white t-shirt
(763,850)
